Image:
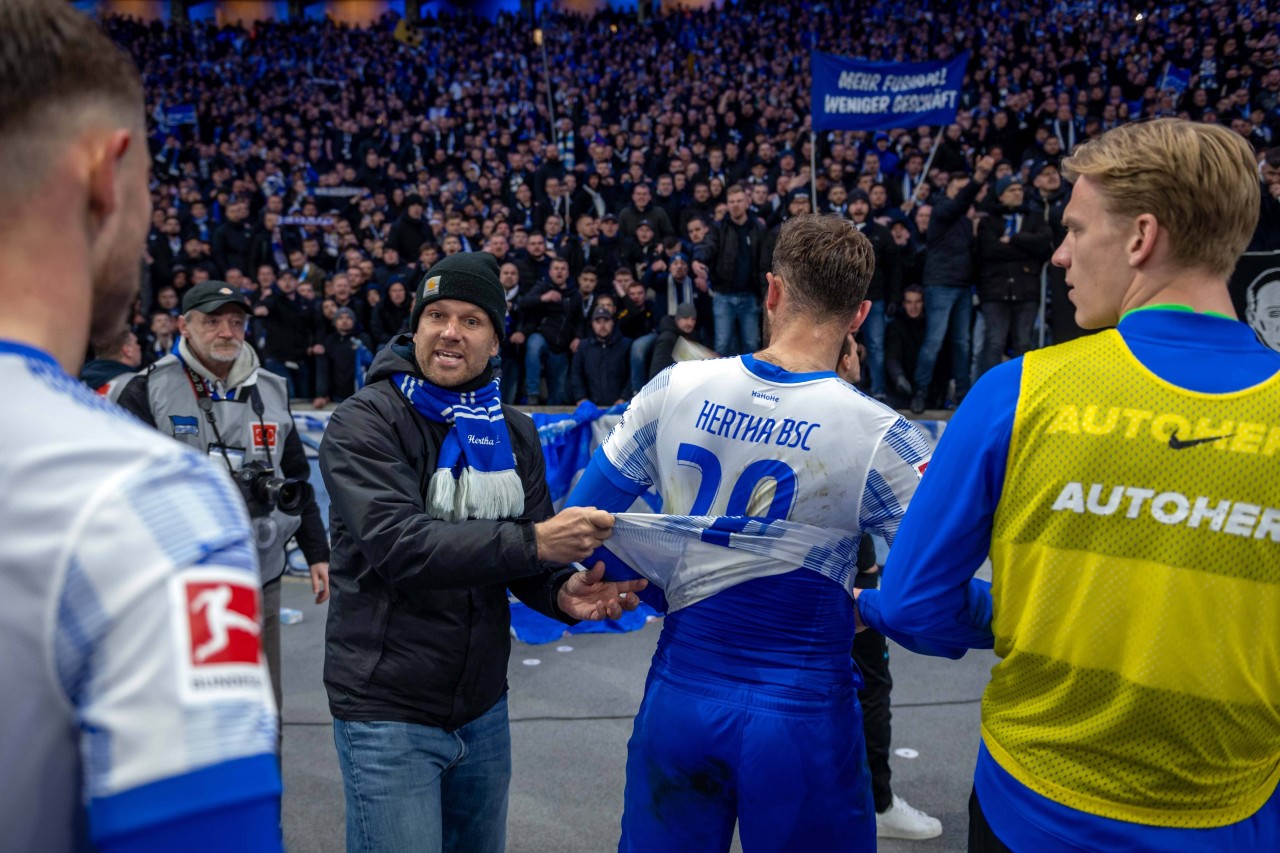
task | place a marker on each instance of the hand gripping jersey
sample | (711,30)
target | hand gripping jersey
(130,664)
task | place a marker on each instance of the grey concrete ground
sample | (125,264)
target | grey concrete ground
(571,717)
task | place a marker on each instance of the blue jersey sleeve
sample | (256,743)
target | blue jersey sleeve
(230,806)
(929,601)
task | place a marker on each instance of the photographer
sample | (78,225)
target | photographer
(212,395)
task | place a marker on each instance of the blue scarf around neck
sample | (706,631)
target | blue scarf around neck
(476,474)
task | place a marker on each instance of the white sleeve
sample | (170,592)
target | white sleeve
(157,643)
(896,466)
(631,445)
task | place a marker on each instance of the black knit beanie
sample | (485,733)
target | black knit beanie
(469,276)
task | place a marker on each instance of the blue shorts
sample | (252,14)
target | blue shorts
(791,772)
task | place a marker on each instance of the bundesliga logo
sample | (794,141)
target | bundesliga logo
(219,635)
(224,623)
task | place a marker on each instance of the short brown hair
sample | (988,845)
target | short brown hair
(826,263)
(115,348)
(52,59)
(1200,181)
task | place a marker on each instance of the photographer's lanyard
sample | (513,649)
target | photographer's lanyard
(205,402)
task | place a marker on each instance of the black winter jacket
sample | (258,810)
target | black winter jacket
(232,243)
(886,279)
(290,326)
(726,241)
(903,340)
(407,236)
(665,344)
(419,624)
(602,369)
(339,365)
(1010,272)
(949,258)
(558,322)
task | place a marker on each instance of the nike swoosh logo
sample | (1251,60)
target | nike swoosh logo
(1176,443)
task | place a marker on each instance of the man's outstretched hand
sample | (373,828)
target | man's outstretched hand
(589,597)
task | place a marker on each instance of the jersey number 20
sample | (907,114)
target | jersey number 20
(784,490)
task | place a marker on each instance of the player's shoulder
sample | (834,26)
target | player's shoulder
(686,376)
(51,407)
(60,434)
(851,399)
(878,421)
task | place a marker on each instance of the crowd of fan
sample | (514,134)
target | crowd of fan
(329,166)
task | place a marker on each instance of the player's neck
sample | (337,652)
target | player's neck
(47,294)
(1201,291)
(802,347)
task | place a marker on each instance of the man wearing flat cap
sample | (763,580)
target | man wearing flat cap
(439,505)
(214,396)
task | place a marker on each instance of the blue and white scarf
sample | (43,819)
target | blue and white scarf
(476,475)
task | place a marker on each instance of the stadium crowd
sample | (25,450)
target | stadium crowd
(632,190)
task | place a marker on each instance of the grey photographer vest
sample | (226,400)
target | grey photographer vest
(175,408)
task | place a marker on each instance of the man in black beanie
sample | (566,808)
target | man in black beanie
(439,505)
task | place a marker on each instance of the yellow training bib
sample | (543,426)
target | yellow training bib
(1136,592)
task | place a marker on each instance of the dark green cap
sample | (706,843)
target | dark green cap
(212,295)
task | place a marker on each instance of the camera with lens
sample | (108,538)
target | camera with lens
(263,491)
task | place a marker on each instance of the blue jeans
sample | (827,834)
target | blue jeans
(977,342)
(298,379)
(535,352)
(1005,320)
(641,352)
(737,323)
(512,368)
(418,788)
(946,308)
(873,336)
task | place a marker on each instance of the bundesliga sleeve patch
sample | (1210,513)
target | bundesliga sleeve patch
(218,633)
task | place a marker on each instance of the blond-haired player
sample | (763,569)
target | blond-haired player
(1124,486)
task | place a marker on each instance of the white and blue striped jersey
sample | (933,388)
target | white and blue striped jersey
(739,436)
(135,691)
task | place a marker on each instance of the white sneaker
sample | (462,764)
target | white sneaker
(903,820)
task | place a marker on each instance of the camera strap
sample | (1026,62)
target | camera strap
(206,405)
(255,400)
(205,402)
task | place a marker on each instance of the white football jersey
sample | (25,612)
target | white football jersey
(129,611)
(742,437)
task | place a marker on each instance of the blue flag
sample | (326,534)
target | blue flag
(1175,80)
(850,94)
(181,114)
